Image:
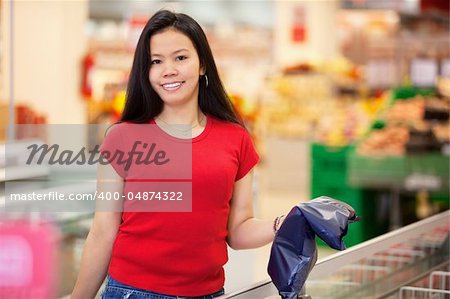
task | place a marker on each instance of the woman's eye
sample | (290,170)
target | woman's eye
(181,57)
(155,61)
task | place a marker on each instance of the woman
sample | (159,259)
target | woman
(174,80)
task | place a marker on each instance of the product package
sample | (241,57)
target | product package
(294,250)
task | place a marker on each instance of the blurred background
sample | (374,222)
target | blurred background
(347,98)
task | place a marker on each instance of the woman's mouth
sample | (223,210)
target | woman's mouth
(172,86)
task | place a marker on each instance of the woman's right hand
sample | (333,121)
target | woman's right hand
(99,242)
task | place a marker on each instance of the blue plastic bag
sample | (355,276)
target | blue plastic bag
(294,250)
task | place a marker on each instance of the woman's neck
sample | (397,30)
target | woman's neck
(193,122)
(193,117)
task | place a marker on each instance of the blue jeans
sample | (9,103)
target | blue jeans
(117,290)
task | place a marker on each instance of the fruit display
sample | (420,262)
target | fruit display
(441,132)
(414,125)
(293,104)
(437,109)
(386,141)
(346,121)
(406,111)
(308,102)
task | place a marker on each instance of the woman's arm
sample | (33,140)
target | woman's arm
(245,231)
(98,247)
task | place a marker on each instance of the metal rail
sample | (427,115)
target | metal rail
(369,250)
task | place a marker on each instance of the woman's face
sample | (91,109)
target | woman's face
(174,67)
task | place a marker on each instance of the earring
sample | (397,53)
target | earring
(206,79)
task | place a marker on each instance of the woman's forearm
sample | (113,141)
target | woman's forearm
(94,265)
(251,233)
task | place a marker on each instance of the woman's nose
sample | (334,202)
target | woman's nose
(169,70)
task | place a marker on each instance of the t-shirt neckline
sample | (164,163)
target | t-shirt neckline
(202,135)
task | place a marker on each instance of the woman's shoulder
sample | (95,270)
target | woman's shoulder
(119,128)
(115,127)
(121,125)
(230,132)
(227,125)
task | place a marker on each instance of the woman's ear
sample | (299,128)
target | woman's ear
(202,70)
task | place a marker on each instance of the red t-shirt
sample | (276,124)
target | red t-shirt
(183,253)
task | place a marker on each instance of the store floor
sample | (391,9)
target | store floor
(281,181)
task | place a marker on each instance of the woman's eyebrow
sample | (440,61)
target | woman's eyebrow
(173,53)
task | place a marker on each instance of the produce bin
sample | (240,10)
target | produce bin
(375,172)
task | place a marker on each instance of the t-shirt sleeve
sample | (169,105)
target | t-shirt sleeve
(113,149)
(248,156)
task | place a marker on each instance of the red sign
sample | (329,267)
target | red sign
(299,33)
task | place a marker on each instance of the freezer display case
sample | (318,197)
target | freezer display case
(411,262)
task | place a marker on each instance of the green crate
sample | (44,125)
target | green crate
(392,171)
(374,172)
(328,165)
(328,153)
(429,163)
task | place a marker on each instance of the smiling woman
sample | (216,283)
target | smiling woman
(175,70)
(174,80)
(173,54)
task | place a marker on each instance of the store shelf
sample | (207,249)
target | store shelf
(22,172)
(12,161)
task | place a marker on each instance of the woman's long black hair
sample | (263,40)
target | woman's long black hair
(143,103)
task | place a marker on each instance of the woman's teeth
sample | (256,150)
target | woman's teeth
(172,86)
